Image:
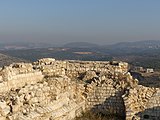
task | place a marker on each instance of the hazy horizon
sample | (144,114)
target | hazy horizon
(60,22)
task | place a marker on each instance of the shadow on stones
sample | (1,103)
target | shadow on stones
(112,108)
(150,114)
(137,75)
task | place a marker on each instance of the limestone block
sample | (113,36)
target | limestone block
(2,118)
(15,108)
(34,100)
(4,108)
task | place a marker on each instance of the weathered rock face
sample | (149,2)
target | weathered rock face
(61,90)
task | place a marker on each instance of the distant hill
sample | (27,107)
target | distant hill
(24,45)
(142,45)
(80,45)
(7,60)
(146,44)
(139,53)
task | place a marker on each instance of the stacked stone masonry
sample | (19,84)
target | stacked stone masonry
(51,89)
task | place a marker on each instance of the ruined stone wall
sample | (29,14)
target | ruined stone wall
(61,90)
(104,93)
(107,100)
(18,75)
(41,101)
(103,97)
(30,96)
(74,68)
(142,103)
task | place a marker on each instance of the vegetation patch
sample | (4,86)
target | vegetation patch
(99,116)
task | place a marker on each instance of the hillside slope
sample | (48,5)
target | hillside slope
(6,60)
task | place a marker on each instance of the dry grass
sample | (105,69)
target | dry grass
(91,116)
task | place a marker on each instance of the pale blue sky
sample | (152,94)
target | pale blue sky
(96,21)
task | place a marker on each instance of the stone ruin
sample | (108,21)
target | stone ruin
(62,90)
